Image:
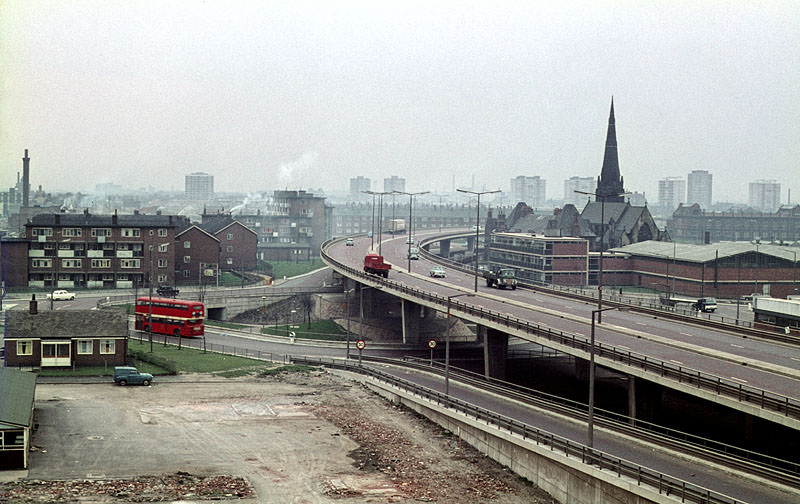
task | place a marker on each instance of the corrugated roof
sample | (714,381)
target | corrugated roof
(704,253)
(65,324)
(17,390)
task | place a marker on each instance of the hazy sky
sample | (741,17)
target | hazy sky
(267,95)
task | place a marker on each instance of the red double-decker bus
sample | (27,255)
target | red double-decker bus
(171,316)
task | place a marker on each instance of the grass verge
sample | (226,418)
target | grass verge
(320,330)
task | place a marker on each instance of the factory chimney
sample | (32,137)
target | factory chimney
(26,179)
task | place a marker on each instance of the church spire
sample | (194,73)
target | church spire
(609,184)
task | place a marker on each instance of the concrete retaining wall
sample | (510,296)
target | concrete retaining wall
(567,479)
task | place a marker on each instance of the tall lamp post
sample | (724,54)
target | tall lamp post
(347,293)
(477,225)
(410,220)
(372,229)
(602,199)
(590,422)
(447,345)
(380,196)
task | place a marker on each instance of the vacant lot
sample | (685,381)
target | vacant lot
(300,437)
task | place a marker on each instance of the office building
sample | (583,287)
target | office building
(394,183)
(357,187)
(764,195)
(199,186)
(530,190)
(583,184)
(671,193)
(699,188)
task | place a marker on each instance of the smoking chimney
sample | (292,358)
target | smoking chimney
(26,178)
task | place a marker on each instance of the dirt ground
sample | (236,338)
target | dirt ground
(298,437)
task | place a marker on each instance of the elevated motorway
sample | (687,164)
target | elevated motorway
(757,377)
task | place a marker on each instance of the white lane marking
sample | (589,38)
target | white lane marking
(795,358)
(623,346)
(686,334)
(641,323)
(737,346)
(738,379)
(676,362)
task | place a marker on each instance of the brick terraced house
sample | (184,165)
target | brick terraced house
(101,251)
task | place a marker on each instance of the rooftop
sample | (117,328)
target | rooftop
(703,253)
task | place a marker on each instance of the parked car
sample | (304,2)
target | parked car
(61,295)
(437,272)
(123,375)
(167,291)
(349,242)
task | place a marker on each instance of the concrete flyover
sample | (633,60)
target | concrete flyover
(756,377)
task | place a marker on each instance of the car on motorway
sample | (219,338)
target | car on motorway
(413,253)
(349,242)
(61,295)
(437,272)
(124,375)
(410,240)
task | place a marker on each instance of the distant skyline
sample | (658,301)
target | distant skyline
(268,95)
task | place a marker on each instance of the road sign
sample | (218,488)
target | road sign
(431,343)
(361,344)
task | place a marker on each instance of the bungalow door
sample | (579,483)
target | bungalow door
(56,353)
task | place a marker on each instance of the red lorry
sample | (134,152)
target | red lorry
(373,264)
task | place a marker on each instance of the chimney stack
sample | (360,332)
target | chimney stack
(26,178)
(34,305)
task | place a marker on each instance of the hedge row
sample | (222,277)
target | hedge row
(169,365)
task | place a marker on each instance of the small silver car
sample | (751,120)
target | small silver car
(437,272)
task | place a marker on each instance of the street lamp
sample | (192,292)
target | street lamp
(410,221)
(477,225)
(347,293)
(602,199)
(372,229)
(590,422)
(380,196)
(447,344)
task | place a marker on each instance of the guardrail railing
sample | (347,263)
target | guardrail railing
(684,375)
(664,484)
(777,469)
(640,304)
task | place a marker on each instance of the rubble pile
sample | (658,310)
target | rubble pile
(414,472)
(166,487)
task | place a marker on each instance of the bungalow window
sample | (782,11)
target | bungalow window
(107,346)
(85,347)
(25,347)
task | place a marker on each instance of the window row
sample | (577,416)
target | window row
(85,346)
(94,263)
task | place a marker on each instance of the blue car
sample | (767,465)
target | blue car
(124,375)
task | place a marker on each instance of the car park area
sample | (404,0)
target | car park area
(309,436)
